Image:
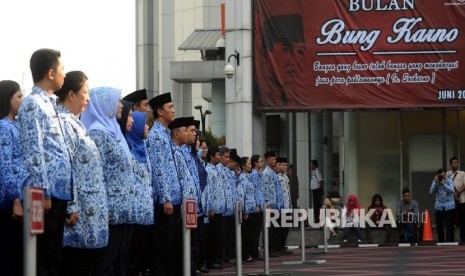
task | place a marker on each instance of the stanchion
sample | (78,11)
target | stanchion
(325,232)
(33,224)
(238,219)
(266,255)
(189,221)
(302,246)
(186,242)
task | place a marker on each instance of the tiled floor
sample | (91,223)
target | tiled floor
(387,260)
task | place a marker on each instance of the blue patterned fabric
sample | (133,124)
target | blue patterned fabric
(229,184)
(249,193)
(90,199)
(143,201)
(258,188)
(185,178)
(240,192)
(43,147)
(164,177)
(142,207)
(444,195)
(192,162)
(272,191)
(214,192)
(118,176)
(12,170)
(284,181)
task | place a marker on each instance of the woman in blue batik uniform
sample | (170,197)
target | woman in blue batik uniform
(143,205)
(86,226)
(100,120)
(12,175)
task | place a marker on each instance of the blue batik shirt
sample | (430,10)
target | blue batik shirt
(186,180)
(214,192)
(90,198)
(43,147)
(228,179)
(12,170)
(271,189)
(240,192)
(250,204)
(164,177)
(142,208)
(284,181)
(193,169)
(118,176)
(444,195)
(258,188)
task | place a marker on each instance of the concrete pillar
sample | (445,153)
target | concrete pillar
(217,118)
(303,159)
(316,141)
(147,46)
(183,100)
(351,149)
(328,169)
(166,29)
(238,97)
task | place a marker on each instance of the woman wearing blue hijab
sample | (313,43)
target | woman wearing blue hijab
(143,205)
(99,118)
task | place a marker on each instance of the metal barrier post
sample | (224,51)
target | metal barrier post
(186,239)
(303,261)
(30,241)
(266,255)
(325,233)
(302,237)
(33,224)
(238,220)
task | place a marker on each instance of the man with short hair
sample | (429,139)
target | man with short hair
(444,206)
(273,196)
(215,206)
(166,189)
(281,169)
(46,156)
(407,216)
(458,177)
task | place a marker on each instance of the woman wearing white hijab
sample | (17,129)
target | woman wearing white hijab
(100,120)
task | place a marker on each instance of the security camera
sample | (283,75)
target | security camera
(229,71)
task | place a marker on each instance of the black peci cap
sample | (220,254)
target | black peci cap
(189,121)
(160,100)
(177,123)
(136,96)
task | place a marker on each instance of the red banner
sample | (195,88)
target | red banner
(359,54)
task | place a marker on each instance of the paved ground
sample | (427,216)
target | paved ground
(364,261)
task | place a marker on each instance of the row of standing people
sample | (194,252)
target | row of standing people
(101,178)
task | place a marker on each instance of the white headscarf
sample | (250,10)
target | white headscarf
(101,114)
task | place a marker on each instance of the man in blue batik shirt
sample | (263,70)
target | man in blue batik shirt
(215,206)
(166,188)
(273,194)
(443,188)
(45,154)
